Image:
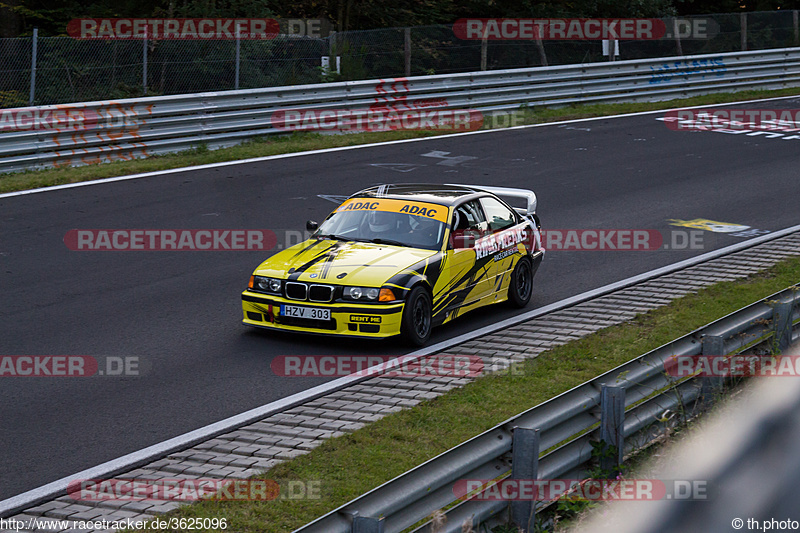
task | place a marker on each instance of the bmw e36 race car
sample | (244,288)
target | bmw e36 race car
(401,259)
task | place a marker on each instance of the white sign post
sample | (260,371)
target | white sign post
(607,47)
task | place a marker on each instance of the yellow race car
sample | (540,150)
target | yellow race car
(400,259)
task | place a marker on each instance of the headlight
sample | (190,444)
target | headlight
(361,293)
(267,284)
(372,294)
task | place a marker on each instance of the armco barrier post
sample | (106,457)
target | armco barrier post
(712,345)
(524,465)
(612,425)
(678,47)
(782,324)
(796,27)
(362,524)
(743,24)
(144,62)
(238,51)
(542,54)
(407,51)
(34,51)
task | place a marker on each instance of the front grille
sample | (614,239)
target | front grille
(296,291)
(320,293)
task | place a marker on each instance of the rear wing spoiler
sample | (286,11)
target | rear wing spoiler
(528,196)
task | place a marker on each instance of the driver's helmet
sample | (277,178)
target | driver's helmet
(381,221)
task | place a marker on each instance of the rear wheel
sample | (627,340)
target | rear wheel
(416,327)
(521,287)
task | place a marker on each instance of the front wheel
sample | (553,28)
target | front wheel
(416,327)
(521,287)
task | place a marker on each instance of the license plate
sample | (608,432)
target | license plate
(311,313)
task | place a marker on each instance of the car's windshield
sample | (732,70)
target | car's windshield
(387,221)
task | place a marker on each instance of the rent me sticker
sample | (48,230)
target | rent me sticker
(422,209)
(366,319)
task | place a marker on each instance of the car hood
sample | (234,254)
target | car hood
(342,263)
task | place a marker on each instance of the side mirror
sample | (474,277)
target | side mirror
(312,226)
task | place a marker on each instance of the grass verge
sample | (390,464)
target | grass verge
(350,465)
(301,142)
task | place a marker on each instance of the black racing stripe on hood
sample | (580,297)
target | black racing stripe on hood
(327,255)
(307,248)
(326,264)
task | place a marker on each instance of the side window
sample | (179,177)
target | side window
(468,216)
(468,224)
(498,215)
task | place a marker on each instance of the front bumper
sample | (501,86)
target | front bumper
(349,319)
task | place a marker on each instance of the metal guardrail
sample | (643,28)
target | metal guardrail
(746,454)
(637,394)
(126,129)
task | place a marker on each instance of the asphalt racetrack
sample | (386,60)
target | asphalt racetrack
(178,313)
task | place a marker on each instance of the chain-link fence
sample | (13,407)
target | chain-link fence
(51,70)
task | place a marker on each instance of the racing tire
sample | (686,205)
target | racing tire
(520,288)
(416,325)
